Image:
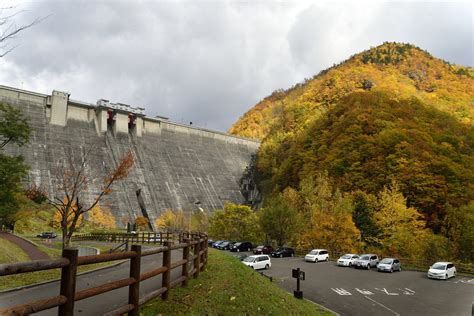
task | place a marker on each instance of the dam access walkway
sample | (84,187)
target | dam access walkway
(29,248)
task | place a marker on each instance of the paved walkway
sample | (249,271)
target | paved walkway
(30,249)
(96,305)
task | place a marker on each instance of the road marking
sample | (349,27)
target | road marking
(394,312)
(364,292)
(408,291)
(386,291)
(341,291)
(465,281)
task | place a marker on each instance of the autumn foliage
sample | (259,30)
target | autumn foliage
(74,181)
(392,121)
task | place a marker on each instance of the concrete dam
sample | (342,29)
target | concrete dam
(176,166)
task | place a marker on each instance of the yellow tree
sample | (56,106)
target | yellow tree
(142,223)
(172,221)
(73,182)
(402,229)
(328,215)
(102,217)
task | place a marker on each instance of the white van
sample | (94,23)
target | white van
(316,255)
(258,262)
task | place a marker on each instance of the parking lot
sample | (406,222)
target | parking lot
(348,291)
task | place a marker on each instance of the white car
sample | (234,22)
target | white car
(442,270)
(258,262)
(316,255)
(347,260)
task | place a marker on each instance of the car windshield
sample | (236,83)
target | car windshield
(280,249)
(260,247)
(387,261)
(365,257)
(249,259)
(313,252)
(225,243)
(346,257)
(439,266)
(237,244)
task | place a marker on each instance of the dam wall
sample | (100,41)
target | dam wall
(176,167)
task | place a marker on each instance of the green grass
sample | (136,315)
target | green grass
(53,251)
(10,252)
(228,287)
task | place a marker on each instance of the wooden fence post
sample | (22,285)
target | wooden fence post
(185,270)
(197,260)
(202,258)
(68,282)
(134,289)
(165,277)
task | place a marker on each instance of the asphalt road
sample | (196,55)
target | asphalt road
(96,305)
(348,291)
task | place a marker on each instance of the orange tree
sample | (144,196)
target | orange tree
(73,181)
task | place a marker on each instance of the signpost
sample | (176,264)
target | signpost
(298,275)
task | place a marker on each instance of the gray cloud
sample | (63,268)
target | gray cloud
(209,62)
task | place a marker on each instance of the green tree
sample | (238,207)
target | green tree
(14,129)
(364,208)
(279,221)
(234,222)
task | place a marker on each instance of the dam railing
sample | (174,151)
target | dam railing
(194,259)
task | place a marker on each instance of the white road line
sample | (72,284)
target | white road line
(394,312)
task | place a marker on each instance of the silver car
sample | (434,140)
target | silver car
(389,265)
(367,261)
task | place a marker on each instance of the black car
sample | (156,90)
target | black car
(224,245)
(47,235)
(241,246)
(283,252)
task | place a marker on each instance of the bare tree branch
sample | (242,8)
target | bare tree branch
(9,29)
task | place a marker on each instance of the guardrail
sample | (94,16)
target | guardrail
(70,261)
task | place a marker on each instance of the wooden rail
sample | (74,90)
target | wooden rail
(195,242)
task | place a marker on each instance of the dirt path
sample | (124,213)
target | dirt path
(27,247)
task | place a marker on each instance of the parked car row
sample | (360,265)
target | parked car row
(237,246)
(439,270)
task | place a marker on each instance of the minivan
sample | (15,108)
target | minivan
(316,255)
(241,246)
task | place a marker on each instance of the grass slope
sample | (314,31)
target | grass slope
(228,287)
(9,252)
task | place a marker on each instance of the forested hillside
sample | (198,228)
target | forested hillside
(390,131)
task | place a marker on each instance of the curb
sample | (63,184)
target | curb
(324,307)
(22,287)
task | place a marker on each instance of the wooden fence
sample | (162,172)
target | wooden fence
(141,237)
(195,243)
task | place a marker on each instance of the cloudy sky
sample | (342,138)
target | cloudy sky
(210,61)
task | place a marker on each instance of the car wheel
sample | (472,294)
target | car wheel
(315,260)
(248,249)
(327,259)
(238,250)
(267,266)
(400,269)
(446,276)
(292,254)
(454,274)
(281,255)
(391,270)
(368,267)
